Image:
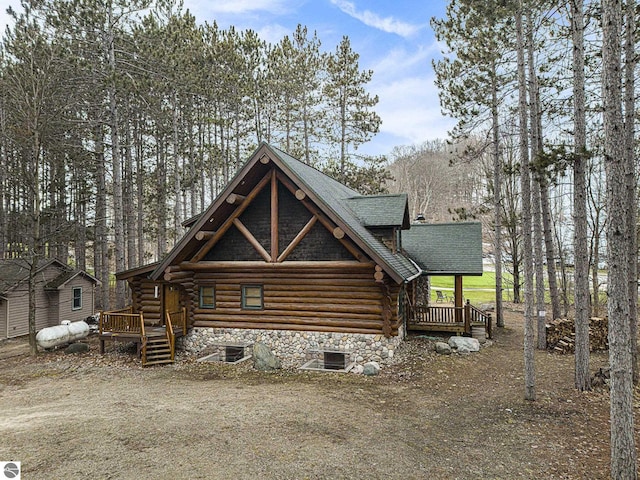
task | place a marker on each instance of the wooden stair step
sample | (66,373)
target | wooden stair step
(156,353)
(159,353)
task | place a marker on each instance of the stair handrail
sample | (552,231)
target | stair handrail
(170,335)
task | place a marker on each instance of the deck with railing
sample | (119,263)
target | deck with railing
(155,344)
(443,318)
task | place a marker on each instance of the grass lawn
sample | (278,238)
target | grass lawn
(476,289)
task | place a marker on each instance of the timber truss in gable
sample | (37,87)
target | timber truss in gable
(275,254)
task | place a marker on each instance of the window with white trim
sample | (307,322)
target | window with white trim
(77,298)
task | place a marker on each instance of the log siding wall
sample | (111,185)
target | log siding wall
(322,300)
(144,300)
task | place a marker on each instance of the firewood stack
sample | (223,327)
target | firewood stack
(561,335)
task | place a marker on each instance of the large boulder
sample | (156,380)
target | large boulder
(264,359)
(443,348)
(464,344)
(371,368)
(78,347)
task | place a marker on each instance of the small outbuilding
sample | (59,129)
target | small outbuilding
(62,293)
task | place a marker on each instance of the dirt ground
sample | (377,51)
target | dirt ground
(426,416)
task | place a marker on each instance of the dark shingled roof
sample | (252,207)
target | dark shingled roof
(16,270)
(381,210)
(446,248)
(65,277)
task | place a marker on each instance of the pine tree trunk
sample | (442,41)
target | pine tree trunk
(631,176)
(140,201)
(129,204)
(118,213)
(538,179)
(497,199)
(35,247)
(582,378)
(100,245)
(177,205)
(527,244)
(161,203)
(548,235)
(623,451)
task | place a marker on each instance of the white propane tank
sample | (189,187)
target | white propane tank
(60,334)
(78,330)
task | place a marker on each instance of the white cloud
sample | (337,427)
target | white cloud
(399,62)
(386,24)
(244,6)
(410,110)
(273,33)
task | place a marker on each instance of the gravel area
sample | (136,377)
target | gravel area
(426,416)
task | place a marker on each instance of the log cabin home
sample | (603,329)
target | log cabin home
(292,258)
(62,293)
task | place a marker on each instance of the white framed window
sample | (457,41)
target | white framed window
(77,298)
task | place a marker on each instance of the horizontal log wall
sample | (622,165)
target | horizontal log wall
(334,299)
(145,301)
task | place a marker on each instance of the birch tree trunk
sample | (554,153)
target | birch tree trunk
(623,451)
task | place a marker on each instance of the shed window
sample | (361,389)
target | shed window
(208,297)
(252,297)
(77,298)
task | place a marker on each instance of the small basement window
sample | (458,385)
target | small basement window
(208,297)
(329,361)
(77,298)
(252,297)
(228,353)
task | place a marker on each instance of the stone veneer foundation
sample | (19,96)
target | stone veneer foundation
(294,348)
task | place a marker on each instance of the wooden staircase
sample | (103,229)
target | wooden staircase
(157,351)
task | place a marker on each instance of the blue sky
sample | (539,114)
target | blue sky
(393,38)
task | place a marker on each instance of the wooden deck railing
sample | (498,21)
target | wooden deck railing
(437,314)
(121,321)
(449,319)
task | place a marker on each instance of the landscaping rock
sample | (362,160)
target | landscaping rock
(357,369)
(263,359)
(371,368)
(464,344)
(78,347)
(443,348)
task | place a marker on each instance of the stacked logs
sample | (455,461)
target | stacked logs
(561,335)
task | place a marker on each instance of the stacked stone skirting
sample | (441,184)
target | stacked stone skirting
(294,348)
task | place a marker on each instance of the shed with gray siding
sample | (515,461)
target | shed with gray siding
(62,293)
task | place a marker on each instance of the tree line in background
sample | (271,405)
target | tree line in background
(552,88)
(121,119)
